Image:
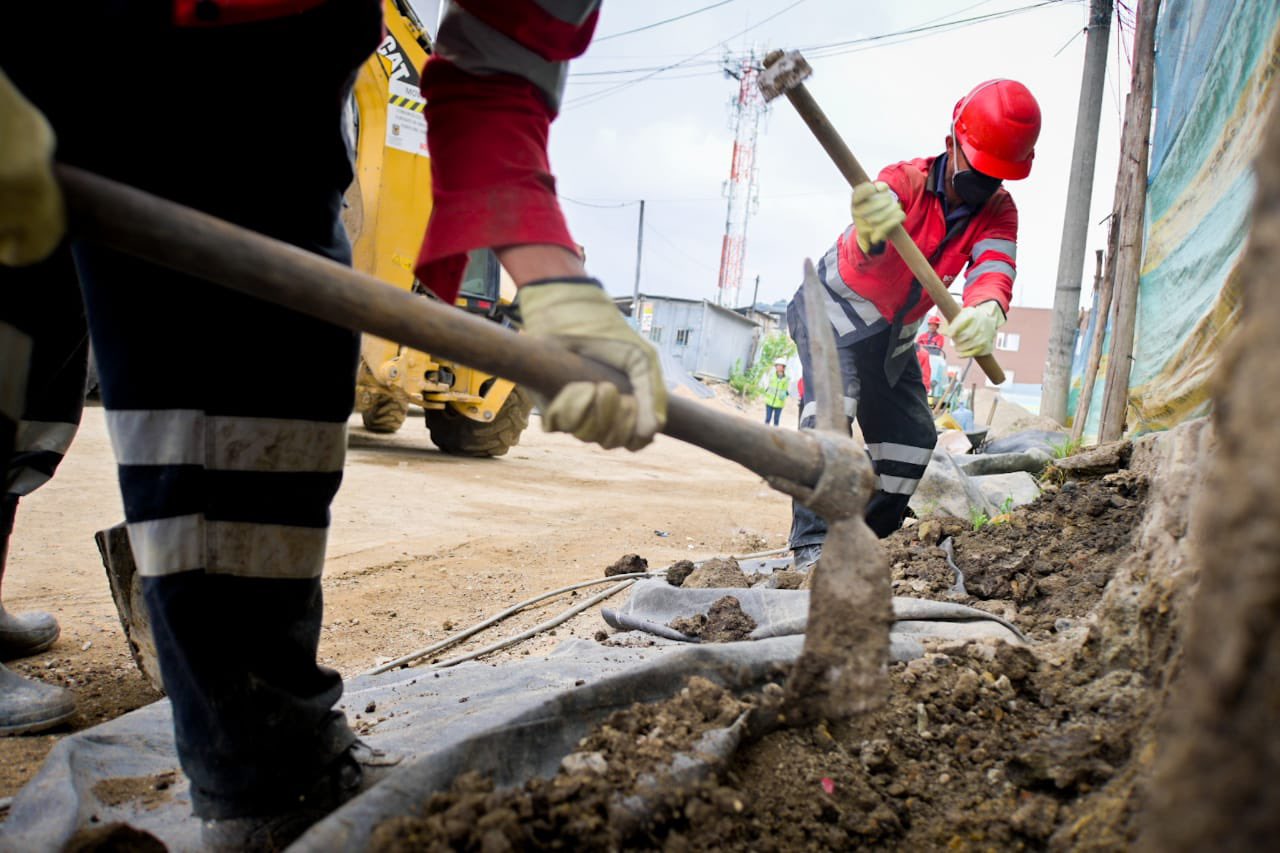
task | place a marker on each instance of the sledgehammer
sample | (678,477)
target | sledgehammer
(828,471)
(784,74)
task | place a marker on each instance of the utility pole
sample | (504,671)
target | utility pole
(755,294)
(1075,225)
(635,293)
(1135,147)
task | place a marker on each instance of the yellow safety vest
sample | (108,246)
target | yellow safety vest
(777,392)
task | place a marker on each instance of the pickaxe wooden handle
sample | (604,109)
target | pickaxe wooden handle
(200,245)
(853,172)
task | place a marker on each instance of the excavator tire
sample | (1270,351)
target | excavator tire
(385,415)
(461,436)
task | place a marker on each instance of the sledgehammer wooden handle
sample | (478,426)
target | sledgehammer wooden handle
(853,172)
(200,245)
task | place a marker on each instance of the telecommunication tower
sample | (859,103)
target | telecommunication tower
(740,189)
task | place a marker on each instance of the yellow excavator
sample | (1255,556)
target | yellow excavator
(467,412)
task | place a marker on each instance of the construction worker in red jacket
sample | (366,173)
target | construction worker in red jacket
(955,208)
(226,482)
(931,343)
(932,338)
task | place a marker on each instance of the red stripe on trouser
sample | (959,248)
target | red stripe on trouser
(491,181)
(531,26)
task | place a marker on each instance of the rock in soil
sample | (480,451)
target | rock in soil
(679,571)
(1096,461)
(627,565)
(724,622)
(786,579)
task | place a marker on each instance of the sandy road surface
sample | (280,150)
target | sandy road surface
(419,540)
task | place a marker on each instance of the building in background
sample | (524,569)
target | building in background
(704,338)
(1022,345)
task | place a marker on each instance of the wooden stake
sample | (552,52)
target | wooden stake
(1102,284)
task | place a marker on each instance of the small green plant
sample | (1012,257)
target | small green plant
(979,519)
(741,382)
(1007,506)
(1067,447)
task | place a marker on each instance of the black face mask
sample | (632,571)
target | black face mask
(973,187)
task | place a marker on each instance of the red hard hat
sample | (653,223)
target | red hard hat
(996,125)
(935,320)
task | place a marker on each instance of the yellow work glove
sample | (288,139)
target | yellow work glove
(31,216)
(973,331)
(582,317)
(876,212)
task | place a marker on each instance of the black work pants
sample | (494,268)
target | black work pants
(895,420)
(227,415)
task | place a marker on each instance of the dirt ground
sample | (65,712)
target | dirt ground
(980,745)
(422,544)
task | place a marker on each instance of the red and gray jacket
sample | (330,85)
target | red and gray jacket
(932,341)
(873,290)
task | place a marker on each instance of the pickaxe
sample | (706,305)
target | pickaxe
(784,74)
(842,666)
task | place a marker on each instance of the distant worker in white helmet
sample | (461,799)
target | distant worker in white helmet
(776,392)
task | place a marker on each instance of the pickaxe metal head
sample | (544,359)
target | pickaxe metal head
(782,71)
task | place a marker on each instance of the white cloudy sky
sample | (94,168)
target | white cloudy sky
(668,138)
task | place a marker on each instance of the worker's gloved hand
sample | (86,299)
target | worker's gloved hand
(876,212)
(580,314)
(31,216)
(974,329)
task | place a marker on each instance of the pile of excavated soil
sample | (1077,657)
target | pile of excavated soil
(592,803)
(980,745)
(724,622)
(717,573)
(1044,568)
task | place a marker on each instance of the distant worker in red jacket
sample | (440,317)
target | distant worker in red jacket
(932,339)
(931,342)
(954,207)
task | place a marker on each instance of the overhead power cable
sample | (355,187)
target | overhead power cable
(663,22)
(600,206)
(813,51)
(688,256)
(604,93)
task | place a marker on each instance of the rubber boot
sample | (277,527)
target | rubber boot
(28,706)
(29,633)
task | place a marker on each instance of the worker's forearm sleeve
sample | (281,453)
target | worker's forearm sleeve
(492,89)
(491,180)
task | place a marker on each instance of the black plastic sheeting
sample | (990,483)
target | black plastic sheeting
(781,612)
(512,721)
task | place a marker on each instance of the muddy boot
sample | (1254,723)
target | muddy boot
(28,706)
(21,635)
(354,772)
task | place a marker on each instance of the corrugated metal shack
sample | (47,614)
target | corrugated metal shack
(703,337)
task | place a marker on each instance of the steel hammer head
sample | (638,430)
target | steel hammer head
(782,71)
